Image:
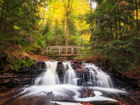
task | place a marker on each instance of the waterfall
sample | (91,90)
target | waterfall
(66,66)
(49,77)
(93,85)
(91,75)
(70,74)
(97,76)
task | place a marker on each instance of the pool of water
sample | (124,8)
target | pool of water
(66,95)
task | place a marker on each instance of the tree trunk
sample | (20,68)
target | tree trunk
(119,25)
(56,39)
(130,25)
(67,29)
(68,12)
(63,22)
(119,19)
(111,27)
(1,17)
(68,8)
(137,23)
(43,19)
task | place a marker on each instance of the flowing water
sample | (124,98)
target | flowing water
(69,75)
(47,89)
(49,77)
(97,76)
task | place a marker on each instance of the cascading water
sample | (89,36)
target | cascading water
(66,66)
(91,74)
(48,91)
(96,76)
(70,74)
(49,77)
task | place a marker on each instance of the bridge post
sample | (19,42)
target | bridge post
(71,50)
(59,50)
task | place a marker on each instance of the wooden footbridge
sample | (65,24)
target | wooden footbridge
(63,51)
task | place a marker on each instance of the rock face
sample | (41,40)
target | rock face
(60,71)
(23,76)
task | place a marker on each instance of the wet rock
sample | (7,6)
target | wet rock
(89,84)
(139,85)
(88,93)
(23,76)
(49,93)
(76,65)
(2,81)
(79,82)
(60,71)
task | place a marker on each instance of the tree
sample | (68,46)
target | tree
(77,25)
(114,35)
(19,32)
(68,9)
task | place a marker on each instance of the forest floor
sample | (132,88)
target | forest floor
(42,58)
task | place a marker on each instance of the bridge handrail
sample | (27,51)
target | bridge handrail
(62,47)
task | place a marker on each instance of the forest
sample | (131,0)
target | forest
(109,30)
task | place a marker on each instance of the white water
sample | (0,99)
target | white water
(49,82)
(49,77)
(64,92)
(66,67)
(52,65)
(97,76)
(69,77)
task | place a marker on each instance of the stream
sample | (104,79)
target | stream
(66,86)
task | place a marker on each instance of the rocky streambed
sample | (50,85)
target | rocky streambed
(12,83)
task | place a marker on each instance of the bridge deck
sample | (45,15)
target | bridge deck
(64,55)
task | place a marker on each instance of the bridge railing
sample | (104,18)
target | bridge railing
(63,50)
